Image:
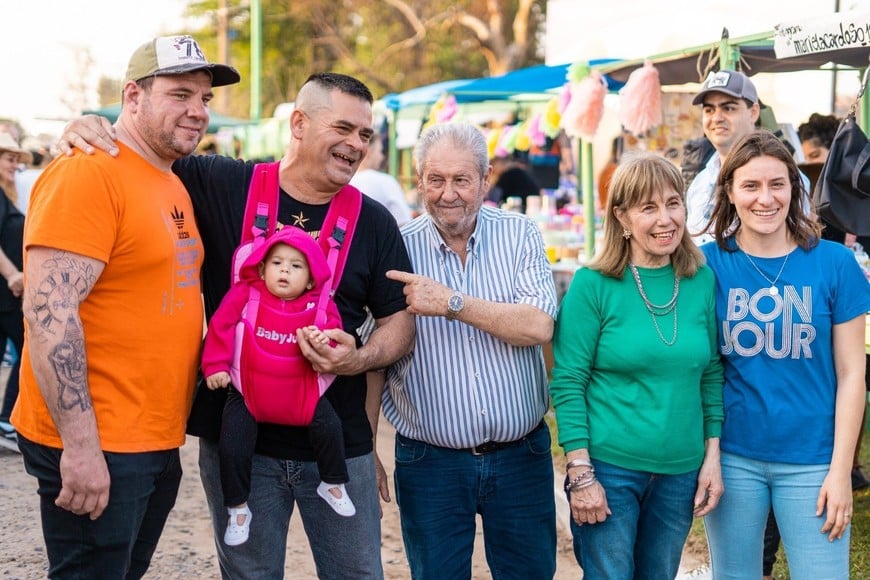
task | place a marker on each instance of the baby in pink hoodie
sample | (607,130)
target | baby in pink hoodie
(255,353)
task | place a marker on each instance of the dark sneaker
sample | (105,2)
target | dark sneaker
(8,436)
(859,480)
(7,431)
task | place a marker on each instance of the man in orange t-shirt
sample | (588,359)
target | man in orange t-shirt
(113,317)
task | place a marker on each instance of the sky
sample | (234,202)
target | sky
(40,39)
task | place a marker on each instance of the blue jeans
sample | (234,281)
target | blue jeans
(121,542)
(440,491)
(342,547)
(735,529)
(643,538)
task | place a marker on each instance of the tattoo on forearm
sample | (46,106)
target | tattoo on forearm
(63,282)
(70,368)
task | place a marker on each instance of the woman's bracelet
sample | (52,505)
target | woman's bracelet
(583,484)
(574,484)
(584,479)
(578,463)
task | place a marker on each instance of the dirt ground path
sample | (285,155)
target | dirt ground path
(186,549)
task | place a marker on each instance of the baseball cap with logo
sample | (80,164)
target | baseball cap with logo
(729,82)
(172,55)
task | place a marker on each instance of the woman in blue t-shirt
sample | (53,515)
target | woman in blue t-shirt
(791,333)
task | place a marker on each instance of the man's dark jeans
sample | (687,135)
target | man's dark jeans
(121,542)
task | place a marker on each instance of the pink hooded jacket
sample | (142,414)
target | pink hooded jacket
(262,356)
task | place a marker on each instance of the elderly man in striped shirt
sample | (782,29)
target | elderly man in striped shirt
(468,404)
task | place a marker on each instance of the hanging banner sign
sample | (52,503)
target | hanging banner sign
(840,30)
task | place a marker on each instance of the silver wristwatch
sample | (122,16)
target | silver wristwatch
(454,305)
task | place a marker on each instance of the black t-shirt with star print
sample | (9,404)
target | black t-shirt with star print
(218,187)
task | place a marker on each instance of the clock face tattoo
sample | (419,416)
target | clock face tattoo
(59,294)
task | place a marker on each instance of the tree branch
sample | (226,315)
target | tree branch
(408,43)
(331,39)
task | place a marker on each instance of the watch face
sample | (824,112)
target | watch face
(455,303)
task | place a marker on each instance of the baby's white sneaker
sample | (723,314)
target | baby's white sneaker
(237,533)
(342,505)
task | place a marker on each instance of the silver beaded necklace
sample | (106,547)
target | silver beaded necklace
(773,289)
(656,310)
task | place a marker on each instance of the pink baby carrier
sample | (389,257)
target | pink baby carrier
(287,399)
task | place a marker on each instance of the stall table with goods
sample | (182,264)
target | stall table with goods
(564,232)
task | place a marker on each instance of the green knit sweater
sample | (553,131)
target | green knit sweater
(619,390)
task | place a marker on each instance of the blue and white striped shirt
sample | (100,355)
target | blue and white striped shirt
(461,386)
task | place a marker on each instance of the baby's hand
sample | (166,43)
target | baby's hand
(218,380)
(316,335)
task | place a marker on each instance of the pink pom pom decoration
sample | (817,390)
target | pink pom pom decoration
(449,110)
(564,97)
(640,104)
(586,108)
(536,134)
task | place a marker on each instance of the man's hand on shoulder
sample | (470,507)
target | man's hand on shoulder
(87,132)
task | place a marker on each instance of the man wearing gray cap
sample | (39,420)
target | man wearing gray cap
(113,311)
(729,110)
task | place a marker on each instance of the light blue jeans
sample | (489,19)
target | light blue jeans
(735,529)
(342,547)
(643,537)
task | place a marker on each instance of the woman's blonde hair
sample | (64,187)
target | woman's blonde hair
(637,178)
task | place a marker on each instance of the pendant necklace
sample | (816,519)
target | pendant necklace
(656,310)
(773,289)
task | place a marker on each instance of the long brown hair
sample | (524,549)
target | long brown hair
(803,229)
(634,182)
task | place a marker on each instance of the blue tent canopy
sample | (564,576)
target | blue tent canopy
(535,79)
(425,95)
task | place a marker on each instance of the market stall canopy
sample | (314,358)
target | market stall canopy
(477,100)
(756,55)
(535,80)
(538,83)
(425,95)
(216,121)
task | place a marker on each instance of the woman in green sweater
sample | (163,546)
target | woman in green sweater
(637,382)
